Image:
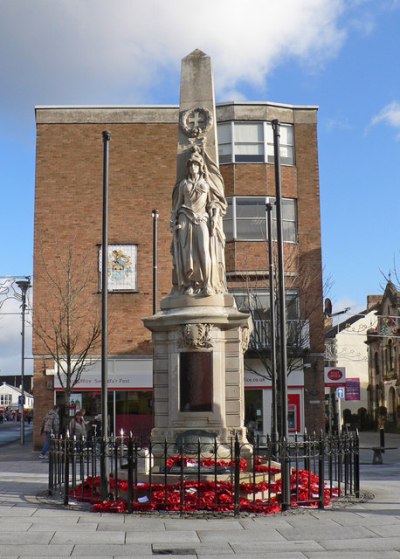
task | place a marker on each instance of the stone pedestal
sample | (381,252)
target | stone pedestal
(198,367)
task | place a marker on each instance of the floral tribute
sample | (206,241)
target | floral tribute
(212,496)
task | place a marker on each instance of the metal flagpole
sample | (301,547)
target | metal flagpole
(104,319)
(282,319)
(155,260)
(274,429)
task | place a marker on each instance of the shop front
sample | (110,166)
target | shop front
(130,396)
(258,402)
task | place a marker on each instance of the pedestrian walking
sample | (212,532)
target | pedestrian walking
(50,426)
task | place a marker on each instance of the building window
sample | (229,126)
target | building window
(246,219)
(257,303)
(122,268)
(252,142)
(5,399)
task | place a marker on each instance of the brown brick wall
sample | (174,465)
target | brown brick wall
(68,212)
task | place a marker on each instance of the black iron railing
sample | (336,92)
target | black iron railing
(228,478)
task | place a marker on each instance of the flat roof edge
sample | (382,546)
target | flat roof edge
(222,104)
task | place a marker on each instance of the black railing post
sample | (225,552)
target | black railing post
(130,473)
(382,438)
(66,479)
(182,481)
(51,467)
(285,472)
(237,476)
(321,472)
(356,452)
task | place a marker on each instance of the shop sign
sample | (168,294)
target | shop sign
(335,376)
(353,389)
(123,374)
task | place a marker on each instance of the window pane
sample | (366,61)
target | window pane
(249,158)
(248,132)
(225,158)
(251,229)
(270,133)
(225,149)
(224,133)
(286,141)
(286,134)
(292,306)
(286,153)
(288,209)
(249,149)
(228,229)
(250,207)
(289,231)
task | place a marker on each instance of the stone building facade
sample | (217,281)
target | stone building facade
(68,236)
(384,360)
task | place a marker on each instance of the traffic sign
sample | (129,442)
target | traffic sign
(340,392)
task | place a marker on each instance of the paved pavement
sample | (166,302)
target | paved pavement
(33,526)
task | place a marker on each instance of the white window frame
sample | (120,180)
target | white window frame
(231,155)
(5,399)
(232,204)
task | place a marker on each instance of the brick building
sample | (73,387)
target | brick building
(68,234)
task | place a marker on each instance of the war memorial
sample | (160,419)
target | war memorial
(199,336)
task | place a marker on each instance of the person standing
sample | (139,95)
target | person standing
(50,426)
(77,426)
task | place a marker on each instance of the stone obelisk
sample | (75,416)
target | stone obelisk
(199,336)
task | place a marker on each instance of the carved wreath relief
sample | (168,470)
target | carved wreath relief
(197,335)
(196,122)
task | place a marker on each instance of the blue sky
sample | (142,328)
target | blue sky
(338,54)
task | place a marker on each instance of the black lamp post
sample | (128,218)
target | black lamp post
(155,215)
(282,320)
(24,285)
(274,430)
(104,318)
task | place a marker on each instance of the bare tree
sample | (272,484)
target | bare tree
(65,321)
(253,296)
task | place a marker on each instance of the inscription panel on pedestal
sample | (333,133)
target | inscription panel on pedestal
(196,381)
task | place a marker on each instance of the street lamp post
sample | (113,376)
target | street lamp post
(24,285)
(155,215)
(104,317)
(282,319)
(274,430)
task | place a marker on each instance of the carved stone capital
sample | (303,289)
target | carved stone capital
(196,335)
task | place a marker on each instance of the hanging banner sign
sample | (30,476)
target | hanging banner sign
(335,376)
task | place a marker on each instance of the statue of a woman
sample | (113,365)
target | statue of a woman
(198,205)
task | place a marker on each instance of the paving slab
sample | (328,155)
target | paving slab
(29,551)
(167,536)
(112,550)
(88,537)
(262,534)
(353,555)
(326,532)
(368,529)
(370,544)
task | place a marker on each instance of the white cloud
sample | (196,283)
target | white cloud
(390,115)
(81,51)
